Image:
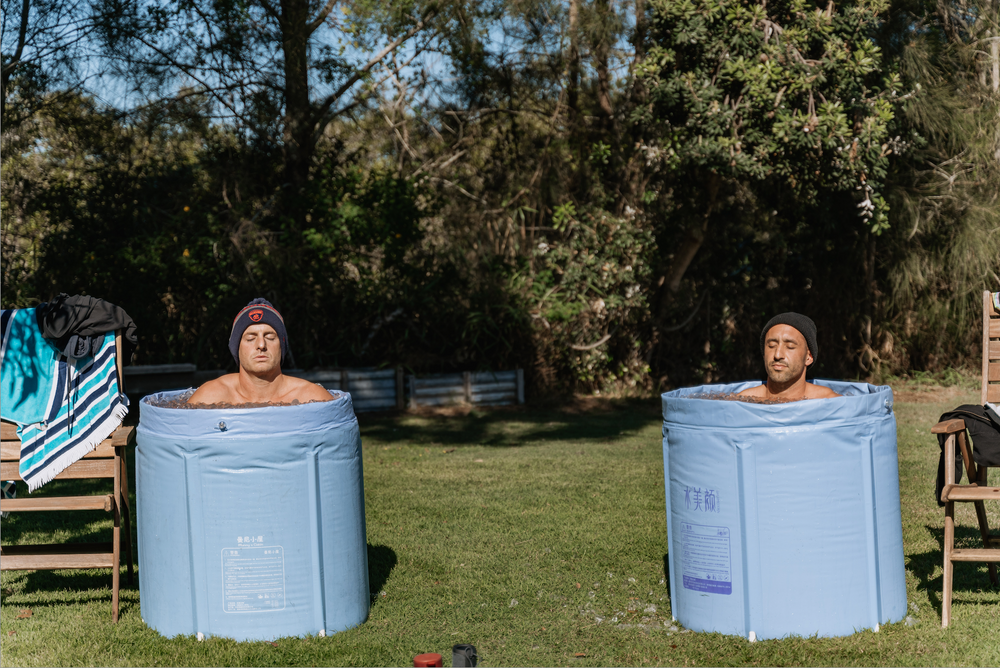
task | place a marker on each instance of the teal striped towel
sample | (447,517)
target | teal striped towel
(63,407)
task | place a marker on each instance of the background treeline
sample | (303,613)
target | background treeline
(608,193)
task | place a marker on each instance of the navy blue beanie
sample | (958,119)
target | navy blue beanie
(258,312)
(803,323)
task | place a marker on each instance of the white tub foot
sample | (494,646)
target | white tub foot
(201,636)
(322,633)
(752,637)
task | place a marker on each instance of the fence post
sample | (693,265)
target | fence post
(343,381)
(467,386)
(520,386)
(400,389)
(412,381)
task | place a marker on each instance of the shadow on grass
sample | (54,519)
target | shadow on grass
(968,577)
(68,587)
(381,561)
(533,424)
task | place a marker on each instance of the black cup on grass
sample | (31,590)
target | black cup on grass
(464,655)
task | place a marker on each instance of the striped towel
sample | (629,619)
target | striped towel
(63,407)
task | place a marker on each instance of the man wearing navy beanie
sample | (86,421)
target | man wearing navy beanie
(259,344)
(788,344)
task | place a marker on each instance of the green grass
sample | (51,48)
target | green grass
(516,530)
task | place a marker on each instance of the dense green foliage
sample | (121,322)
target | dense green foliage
(786,91)
(608,194)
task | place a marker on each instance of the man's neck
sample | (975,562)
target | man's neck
(790,391)
(259,389)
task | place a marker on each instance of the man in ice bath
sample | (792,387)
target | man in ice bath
(788,343)
(259,343)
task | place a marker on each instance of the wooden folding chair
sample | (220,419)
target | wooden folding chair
(977,491)
(109,461)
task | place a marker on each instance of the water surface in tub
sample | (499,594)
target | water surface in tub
(729,396)
(181,401)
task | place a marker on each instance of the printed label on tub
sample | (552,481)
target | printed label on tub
(705,562)
(253,578)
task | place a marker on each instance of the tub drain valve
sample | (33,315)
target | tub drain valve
(222,426)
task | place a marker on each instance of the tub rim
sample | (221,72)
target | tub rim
(247,423)
(860,401)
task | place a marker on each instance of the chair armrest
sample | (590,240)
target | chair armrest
(949,427)
(123,436)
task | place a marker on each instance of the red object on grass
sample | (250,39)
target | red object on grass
(429,659)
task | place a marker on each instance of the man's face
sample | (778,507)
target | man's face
(260,349)
(786,354)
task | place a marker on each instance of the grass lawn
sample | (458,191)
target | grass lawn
(537,535)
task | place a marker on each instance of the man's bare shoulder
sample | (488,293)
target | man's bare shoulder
(216,391)
(303,390)
(819,392)
(756,391)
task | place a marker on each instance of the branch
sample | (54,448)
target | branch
(269,8)
(690,317)
(354,78)
(399,135)
(318,21)
(190,71)
(430,164)
(459,188)
(601,341)
(22,31)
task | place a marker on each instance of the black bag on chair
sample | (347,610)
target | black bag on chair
(985,435)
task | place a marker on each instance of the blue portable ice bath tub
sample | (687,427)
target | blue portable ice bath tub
(783,519)
(251,521)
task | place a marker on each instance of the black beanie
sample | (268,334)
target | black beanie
(803,323)
(258,312)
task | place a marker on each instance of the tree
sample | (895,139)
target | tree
(942,252)
(281,71)
(45,44)
(787,94)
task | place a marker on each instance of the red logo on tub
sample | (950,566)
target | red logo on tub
(256,315)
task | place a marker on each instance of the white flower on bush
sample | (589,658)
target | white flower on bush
(543,248)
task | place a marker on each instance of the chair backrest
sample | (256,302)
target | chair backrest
(991,350)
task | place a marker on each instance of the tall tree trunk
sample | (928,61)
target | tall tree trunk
(633,179)
(693,239)
(573,61)
(574,118)
(602,49)
(298,131)
(14,61)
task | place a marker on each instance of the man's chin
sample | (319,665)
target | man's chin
(261,368)
(781,378)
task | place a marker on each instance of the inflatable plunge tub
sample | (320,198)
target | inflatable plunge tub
(783,519)
(251,521)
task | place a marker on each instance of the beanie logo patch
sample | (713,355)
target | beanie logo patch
(255,315)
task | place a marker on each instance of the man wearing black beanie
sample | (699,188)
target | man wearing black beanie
(259,344)
(788,344)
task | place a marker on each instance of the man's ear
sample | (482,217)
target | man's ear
(809,358)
